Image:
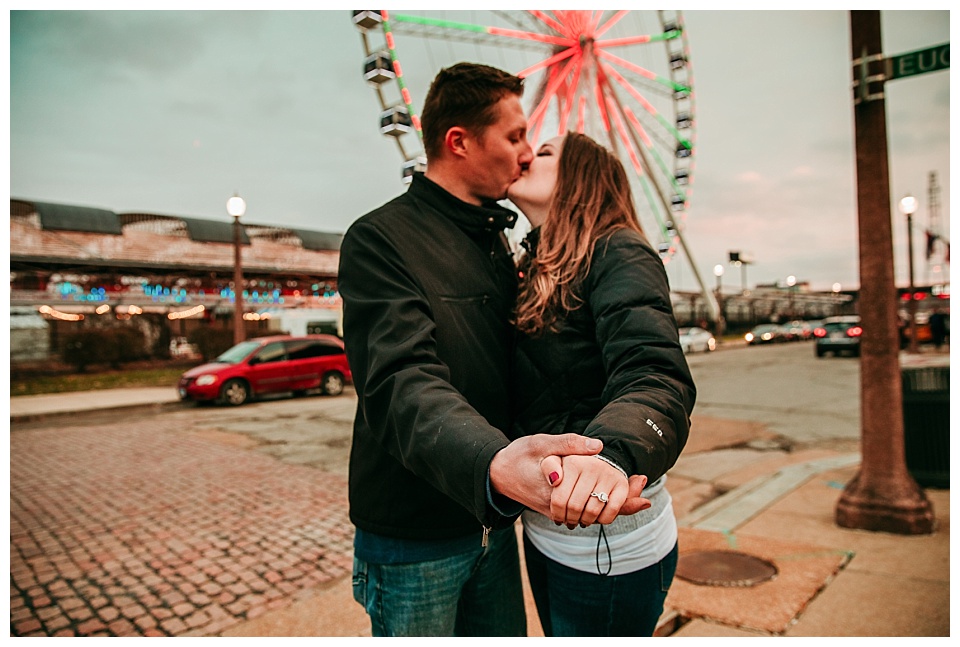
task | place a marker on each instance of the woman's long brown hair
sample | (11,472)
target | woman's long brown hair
(592,200)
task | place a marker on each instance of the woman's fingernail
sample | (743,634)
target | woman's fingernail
(553,477)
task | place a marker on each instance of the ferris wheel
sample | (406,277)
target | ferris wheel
(622,77)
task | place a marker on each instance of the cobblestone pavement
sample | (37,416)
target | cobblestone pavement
(135,528)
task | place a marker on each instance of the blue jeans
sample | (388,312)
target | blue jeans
(576,603)
(474,594)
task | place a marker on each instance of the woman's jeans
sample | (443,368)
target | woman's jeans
(576,603)
(473,594)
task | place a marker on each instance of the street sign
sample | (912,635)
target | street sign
(921,61)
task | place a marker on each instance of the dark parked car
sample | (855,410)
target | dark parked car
(765,334)
(838,335)
(800,330)
(269,365)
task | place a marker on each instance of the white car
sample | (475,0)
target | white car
(180,348)
(696,339)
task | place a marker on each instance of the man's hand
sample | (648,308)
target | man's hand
(515,471)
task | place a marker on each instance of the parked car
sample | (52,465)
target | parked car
(765,334)
(276,364)
(810,326)
(180,348)
(838,335)
(799,330)
(695,339)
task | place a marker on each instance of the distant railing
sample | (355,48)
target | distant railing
(90,302)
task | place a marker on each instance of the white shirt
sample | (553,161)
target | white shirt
(636,541)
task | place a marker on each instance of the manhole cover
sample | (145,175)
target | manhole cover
(724,568)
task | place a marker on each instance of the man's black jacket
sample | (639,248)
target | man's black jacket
(428,286)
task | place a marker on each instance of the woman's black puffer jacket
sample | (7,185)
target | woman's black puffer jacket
(614,368)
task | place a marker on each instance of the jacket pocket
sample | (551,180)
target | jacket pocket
(479,299)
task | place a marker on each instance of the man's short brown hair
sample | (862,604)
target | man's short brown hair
(464,95)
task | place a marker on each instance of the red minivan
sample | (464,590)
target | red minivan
(269,365)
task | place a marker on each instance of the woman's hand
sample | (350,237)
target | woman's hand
(576,478)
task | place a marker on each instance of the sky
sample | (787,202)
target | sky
(173,112)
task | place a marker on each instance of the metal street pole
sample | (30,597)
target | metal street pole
(720,323)
(908,205)
(882,496)
(236,208)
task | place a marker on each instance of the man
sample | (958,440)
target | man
(428,287)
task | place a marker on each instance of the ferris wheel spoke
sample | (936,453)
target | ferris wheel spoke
(671,34)
(633,67)
(636,40)
(646,105)
(614,19)
(576,22)
(435,33)
(570,97)
(556,58)
(648,193)
(622,132)
(646,147)
(632,148)
(480,29)
(595,21)
(541,109)
(550,22)
(655,153)
(602,107)
(648,86)
(522,21)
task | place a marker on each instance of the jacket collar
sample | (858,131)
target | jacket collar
(531,241)
(469,217)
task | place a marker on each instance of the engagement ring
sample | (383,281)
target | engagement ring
(600,495)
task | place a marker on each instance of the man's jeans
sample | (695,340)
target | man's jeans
(473,594)
(576,603)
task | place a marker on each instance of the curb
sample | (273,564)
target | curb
(738,506)
(48,415)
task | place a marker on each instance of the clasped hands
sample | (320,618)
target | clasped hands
(557,475)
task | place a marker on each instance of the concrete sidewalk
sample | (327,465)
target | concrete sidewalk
(734,489)
(31,407)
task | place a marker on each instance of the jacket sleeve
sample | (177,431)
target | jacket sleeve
(649,393)
(408,403)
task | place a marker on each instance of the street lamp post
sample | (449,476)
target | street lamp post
(718,272)
(791,285)
(236,207)
(908,206)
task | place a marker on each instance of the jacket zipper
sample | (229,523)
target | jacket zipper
(486,537)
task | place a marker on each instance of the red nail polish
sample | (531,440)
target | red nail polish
(553,477)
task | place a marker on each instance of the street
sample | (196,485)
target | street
(201,520)
(811,402)
(808,401)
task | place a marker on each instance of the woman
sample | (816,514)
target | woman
(598,355)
